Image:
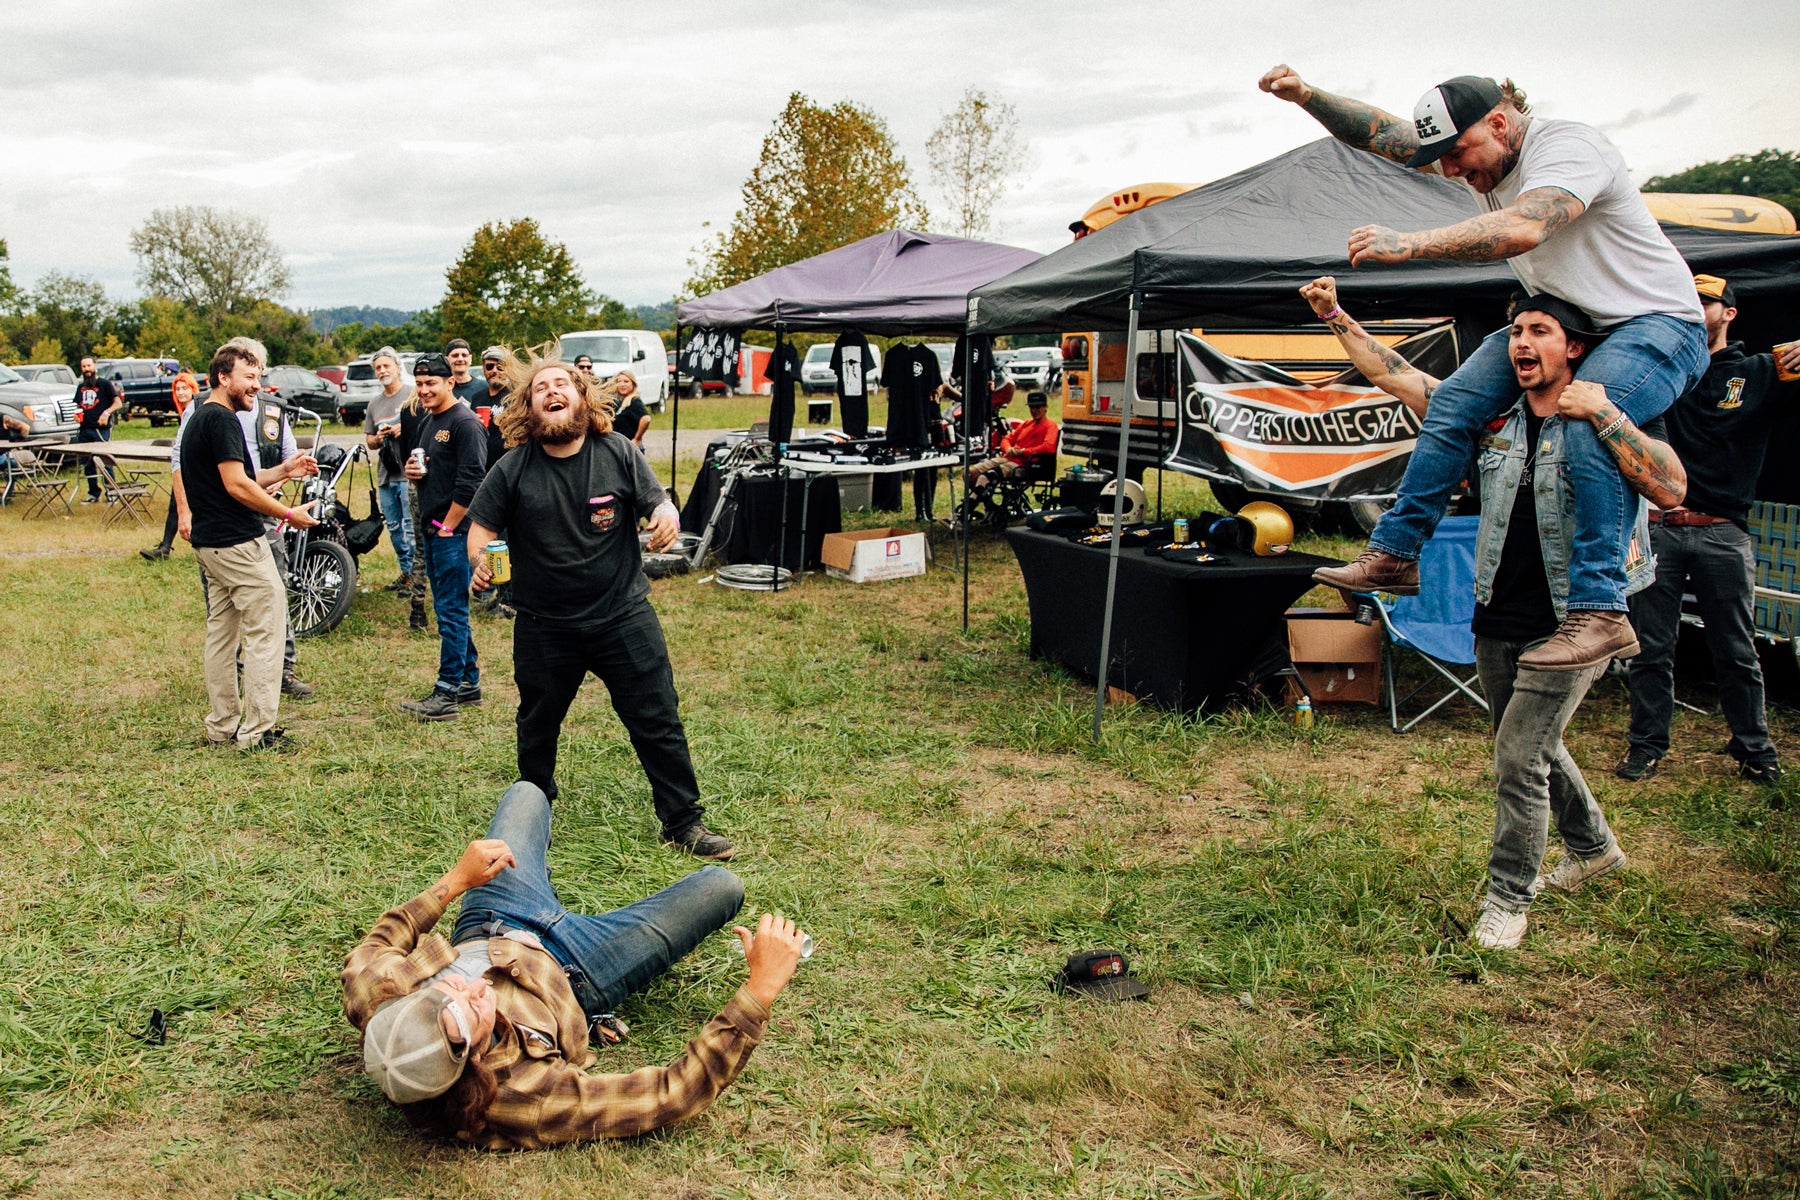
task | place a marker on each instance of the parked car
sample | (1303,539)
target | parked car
(145,384)
(61,373)
(360,386)
(299,388)
(946,355)
(615,350)
(334,374)
(679,384)
(49,408)
(816,374)
(1035,368)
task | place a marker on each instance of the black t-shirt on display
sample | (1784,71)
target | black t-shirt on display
(1721,430)
(572,528)
(910,375)
(852,360)
(214,436)
(455,462)
(93,399)
(784,373)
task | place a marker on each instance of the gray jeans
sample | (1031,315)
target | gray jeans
(1717,562)
(1534,777)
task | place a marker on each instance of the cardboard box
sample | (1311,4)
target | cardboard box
(1339,659)
(869,555)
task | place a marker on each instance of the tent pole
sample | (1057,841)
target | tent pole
(1112,561)
(962,530)
(1161,454)
(780,380)
(675,422)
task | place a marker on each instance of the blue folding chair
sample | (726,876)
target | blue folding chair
(1433,625)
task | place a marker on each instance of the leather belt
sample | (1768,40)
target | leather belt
(1685,516)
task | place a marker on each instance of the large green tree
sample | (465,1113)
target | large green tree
(218,261)
(512,286)
(827,177)
(1773,174)
(9,291)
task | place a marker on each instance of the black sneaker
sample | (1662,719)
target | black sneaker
(155,553)
(292,685)
(468,694)
(1637,764)
(276,740)
(439,706)
(700,842)
(402,584)
(1766,773)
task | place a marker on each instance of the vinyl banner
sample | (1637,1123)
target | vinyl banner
(1253,424)
(710,356)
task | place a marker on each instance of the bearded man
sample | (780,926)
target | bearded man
(570,496)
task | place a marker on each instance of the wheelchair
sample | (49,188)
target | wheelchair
(1009,498)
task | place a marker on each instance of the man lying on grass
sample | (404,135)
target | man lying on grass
(1522,589)
(485,1037)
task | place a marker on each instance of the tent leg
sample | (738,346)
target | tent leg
(962,526)
(781,385)
(675,422)
(1112,561)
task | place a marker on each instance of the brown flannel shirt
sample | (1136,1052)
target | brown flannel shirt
(541,1050)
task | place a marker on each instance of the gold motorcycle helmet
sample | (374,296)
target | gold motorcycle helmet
(1266,529)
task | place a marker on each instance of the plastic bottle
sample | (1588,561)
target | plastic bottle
(1303,713)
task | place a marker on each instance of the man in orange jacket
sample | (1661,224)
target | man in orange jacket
(1037,436)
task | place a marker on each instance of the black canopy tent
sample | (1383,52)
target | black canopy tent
(895,284)
(1235,253)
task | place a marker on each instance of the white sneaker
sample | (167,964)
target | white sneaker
(1573,870)
(1497,928)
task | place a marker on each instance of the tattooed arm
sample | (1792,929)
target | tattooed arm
(1525,224)
(1358,125)
(1652,468)
(1380,365)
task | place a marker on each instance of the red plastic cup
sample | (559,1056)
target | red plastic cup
(485,413)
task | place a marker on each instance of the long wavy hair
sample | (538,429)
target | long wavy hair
(516,418)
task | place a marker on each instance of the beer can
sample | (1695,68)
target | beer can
(499,562)
(1181,531)
(806,945)
(1779,372)
(418,456)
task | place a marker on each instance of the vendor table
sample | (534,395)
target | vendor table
(752,532)
(1187,638)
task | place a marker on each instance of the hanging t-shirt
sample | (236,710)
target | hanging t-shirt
(853,362)
(711,356)
(976,395)
(784,372)
(911,375)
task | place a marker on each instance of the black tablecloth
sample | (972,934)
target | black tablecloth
(1185,637)
(750,529)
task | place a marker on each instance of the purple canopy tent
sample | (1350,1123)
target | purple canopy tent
(896,284)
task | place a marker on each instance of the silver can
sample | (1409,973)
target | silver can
(418,456)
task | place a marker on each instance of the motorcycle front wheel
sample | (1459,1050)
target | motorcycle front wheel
(323,584)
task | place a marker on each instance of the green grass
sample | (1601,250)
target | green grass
(928,802)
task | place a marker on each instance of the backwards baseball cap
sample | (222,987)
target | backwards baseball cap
(432,364)
(1443,113)
(456,344)
(494,354)
(1711,287)
(407,1051)
(1572,319)
(1103,974)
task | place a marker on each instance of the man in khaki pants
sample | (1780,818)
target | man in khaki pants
(246,601)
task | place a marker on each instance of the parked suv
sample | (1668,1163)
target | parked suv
(1035,368)
(61,373)
(360,386)
(49,408)
(146,385)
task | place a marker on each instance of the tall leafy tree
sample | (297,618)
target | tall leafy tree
(70,310)
(1773,174)
(513,286)
(972,153)
(827,177)
(220,262)
(9,291)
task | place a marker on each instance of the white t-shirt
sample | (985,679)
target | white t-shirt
(1613,261)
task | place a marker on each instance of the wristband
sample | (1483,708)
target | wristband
(1336,311)
(288,515)
(1611,427)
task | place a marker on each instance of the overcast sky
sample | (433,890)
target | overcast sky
(373,138)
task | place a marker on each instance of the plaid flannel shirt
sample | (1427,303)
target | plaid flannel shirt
(541,1049)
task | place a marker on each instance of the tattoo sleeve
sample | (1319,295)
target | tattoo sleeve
(1521,226)
(1363,126)
(1652,468)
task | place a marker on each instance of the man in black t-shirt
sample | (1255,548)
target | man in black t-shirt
(1721,430)
(98,399)
(454,457)
(570,494)
(1522,554)
(246,600)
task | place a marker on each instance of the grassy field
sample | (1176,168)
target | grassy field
(928,803)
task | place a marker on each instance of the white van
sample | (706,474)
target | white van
(639,351)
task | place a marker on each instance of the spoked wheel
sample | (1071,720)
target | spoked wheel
(322,587)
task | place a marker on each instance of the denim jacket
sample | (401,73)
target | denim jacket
(1500,464)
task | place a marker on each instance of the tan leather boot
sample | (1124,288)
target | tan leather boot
(1585,639)
(1373,571)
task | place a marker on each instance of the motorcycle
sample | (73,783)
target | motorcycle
(322,559)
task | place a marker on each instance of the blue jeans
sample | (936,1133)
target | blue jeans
(392,499)
(1644,365)
(607,957)
(447,564)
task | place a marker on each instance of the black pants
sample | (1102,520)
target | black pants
(171,525)
(91,468)
(632,660)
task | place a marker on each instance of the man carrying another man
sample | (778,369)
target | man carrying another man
(454,460)
(1721,431)
(1563,213)
(246,600)
(569,496)
(1523,586)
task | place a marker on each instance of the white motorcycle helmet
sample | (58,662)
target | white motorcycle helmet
(1133,511)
